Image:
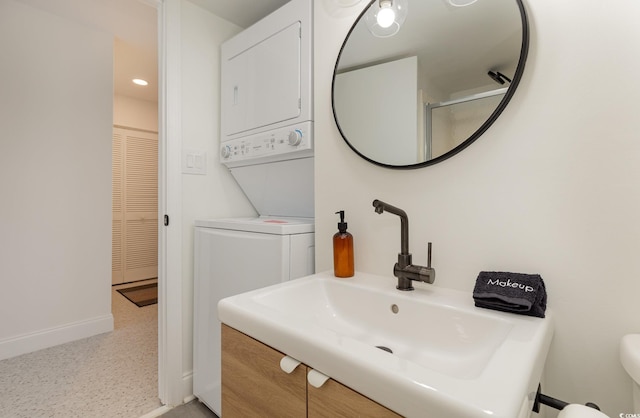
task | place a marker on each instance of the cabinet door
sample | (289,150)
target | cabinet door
(117,207)
(254,385)
(333,400)
(135,205)
(261,85)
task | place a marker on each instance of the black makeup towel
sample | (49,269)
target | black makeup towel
(518,293)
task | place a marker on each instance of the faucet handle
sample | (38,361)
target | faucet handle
(429,255)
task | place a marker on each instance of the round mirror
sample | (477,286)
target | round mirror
(427,85)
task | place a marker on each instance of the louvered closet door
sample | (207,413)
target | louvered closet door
(139,225)
(117,264)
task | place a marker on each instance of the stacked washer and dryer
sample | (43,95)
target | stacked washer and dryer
(267,144)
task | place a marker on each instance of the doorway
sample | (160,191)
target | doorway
(147,115)
(134,254)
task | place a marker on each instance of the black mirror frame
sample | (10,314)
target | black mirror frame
(524,52)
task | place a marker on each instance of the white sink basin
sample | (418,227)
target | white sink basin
(449,358)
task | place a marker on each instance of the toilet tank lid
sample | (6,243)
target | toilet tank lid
(630,355)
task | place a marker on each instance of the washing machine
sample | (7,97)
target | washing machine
(234,256)
(267,145)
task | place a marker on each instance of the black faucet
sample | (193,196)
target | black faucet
(403,269)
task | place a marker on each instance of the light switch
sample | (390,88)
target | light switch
(194,161)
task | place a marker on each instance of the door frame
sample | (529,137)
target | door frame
(171,387)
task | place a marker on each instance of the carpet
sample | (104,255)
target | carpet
(144,295)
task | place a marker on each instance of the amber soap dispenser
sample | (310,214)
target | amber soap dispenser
(342,250)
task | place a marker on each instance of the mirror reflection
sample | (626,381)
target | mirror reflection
(429,85)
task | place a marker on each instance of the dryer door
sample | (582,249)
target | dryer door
(261,85)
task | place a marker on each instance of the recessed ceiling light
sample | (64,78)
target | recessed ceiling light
(140,82)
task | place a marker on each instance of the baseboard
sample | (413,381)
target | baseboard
(187,387)
(27,343)
(157,412)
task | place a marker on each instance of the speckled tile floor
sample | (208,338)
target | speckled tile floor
(108,375)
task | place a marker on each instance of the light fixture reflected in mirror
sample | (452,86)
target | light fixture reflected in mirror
(385,17)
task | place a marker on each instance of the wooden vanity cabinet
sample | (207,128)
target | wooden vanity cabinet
(254,385)
(336,400)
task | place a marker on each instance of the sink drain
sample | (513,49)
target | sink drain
(383,348)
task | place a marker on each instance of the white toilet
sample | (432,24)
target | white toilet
(580,411)
(630,359)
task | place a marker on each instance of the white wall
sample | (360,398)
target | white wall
(216,194)
(135,113)
(553,187)
(384,133)
(55,180)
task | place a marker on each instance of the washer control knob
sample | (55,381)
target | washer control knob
(225,151)
(295,137)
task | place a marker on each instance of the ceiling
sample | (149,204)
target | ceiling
(133,24)
(243,13)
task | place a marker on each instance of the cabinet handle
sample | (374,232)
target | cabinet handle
(316,379)
(288,364)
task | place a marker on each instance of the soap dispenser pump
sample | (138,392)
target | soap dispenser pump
(343,250)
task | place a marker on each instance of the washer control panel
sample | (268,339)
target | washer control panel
(274,145)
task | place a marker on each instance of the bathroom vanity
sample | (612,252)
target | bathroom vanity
(254,384)
(361,343)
